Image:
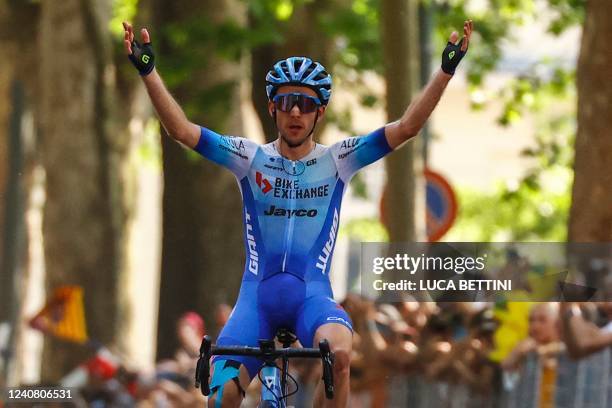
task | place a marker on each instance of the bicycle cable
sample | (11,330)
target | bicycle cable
(297,387)
(282,397)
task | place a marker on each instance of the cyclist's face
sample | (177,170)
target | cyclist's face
(294,126)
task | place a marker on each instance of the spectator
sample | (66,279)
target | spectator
(469,359)
(436,346)
(544,341)
(173,381)
(369,375)
(583,337)
(543,336)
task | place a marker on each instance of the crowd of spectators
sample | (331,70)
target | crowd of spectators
(453,344)
(446,344)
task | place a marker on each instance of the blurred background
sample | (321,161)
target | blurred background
(113,237)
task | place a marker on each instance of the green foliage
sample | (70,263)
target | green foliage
(492,24)
(354,28)
(359,186)
(195,44)
(534,208)
(122,10)
(508,214)
(215,100)
(279,10)
(536,90)
(357,31)
(568,13)
(357,34)
(365,230)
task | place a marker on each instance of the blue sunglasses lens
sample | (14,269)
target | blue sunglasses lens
(305,103)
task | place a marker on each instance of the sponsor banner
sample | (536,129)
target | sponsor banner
(479,271)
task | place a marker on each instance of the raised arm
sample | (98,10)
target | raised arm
(581,337)
(420,109)
(168,110)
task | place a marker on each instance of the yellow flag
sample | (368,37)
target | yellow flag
(63,316)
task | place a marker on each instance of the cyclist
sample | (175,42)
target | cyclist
(291,190)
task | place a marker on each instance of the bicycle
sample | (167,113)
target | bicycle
(275,389)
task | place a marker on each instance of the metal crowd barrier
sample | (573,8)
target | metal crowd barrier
(584,383)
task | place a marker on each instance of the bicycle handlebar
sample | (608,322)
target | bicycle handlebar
(207,350)
(258,352)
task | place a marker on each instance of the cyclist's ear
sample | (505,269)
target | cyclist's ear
(271,109)
(321,112)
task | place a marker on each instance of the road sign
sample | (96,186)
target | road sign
(441,206)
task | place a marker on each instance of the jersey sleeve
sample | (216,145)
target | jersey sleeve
(232,152)
(353,153)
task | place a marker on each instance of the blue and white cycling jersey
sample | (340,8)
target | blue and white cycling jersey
(291,208)
(291,212)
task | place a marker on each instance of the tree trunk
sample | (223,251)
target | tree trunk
(18,85)
(84,215)
(262,59)
(16,66)
(6,78)
(202,246)
(591,210)
(299,41)
(405,198)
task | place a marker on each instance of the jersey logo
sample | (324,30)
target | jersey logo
(283,212)
(269,380)
(329,245)
(289,189)
(293,168)
(339,319)
(251,245)
(263,183)
(349,146)
(350,143)
(233,142)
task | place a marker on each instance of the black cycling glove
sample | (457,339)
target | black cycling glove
(451,56)
(142,57)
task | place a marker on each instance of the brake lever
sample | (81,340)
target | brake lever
(327,358)
(203,367)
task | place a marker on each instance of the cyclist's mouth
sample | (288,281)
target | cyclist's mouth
(295,128)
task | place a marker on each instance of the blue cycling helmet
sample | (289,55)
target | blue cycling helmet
(300,71)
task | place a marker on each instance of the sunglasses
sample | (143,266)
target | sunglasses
(305,103)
